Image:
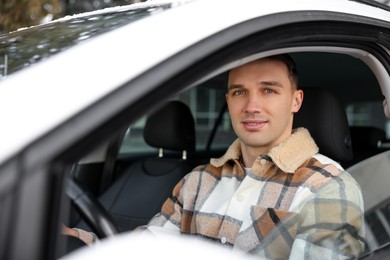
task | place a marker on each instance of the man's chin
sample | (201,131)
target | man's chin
(254,143)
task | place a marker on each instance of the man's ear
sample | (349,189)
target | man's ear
(297,101)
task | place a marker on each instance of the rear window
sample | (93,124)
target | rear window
(369,113)
(206,104)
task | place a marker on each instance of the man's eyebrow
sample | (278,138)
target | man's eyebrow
(261,83)
(270,83)
(235,86)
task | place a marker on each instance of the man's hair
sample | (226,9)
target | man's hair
(291,67)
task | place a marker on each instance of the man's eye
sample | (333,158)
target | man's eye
(269,91)
(238,92)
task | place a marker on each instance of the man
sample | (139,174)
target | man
(263,196)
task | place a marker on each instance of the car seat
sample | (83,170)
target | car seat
(136,196)
(323,115)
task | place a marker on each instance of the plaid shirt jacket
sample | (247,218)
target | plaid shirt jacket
(292,203)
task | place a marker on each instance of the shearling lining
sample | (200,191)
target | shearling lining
(288,155)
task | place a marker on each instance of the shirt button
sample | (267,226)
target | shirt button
(263,161)
(223,240)
(239,197)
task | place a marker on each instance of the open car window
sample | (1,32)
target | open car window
(207,105)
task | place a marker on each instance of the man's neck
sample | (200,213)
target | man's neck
(249,154)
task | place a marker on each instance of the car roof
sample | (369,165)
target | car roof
(31,106)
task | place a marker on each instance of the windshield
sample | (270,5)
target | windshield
(28,46)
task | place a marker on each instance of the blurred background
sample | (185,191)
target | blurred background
(15,14)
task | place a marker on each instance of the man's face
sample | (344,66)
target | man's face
(261,103)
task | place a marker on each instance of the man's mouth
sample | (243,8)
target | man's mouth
(253,125)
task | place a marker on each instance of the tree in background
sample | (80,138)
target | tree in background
(15,14)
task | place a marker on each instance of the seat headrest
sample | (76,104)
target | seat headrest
(171,127)
(323,115)
(366,137)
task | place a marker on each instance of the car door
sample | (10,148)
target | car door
(157,66)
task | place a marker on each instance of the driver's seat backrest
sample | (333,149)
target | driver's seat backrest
(142,188)
(325,118)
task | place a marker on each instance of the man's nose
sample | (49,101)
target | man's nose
(253,104)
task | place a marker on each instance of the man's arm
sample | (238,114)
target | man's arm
(331,225)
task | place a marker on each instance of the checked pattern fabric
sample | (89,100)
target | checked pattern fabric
(292,203)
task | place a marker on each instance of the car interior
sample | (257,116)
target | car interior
(131,175)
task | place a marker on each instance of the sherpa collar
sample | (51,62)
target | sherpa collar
(288,155)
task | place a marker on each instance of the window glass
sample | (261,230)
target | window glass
(206,103)
(225,134)
(368,114)
(133,140)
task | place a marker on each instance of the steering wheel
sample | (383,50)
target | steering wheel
(91,210)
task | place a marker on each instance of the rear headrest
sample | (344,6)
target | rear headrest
(366,137)
(171,127)
(322,114)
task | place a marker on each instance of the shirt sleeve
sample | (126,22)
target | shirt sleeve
(331,225)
